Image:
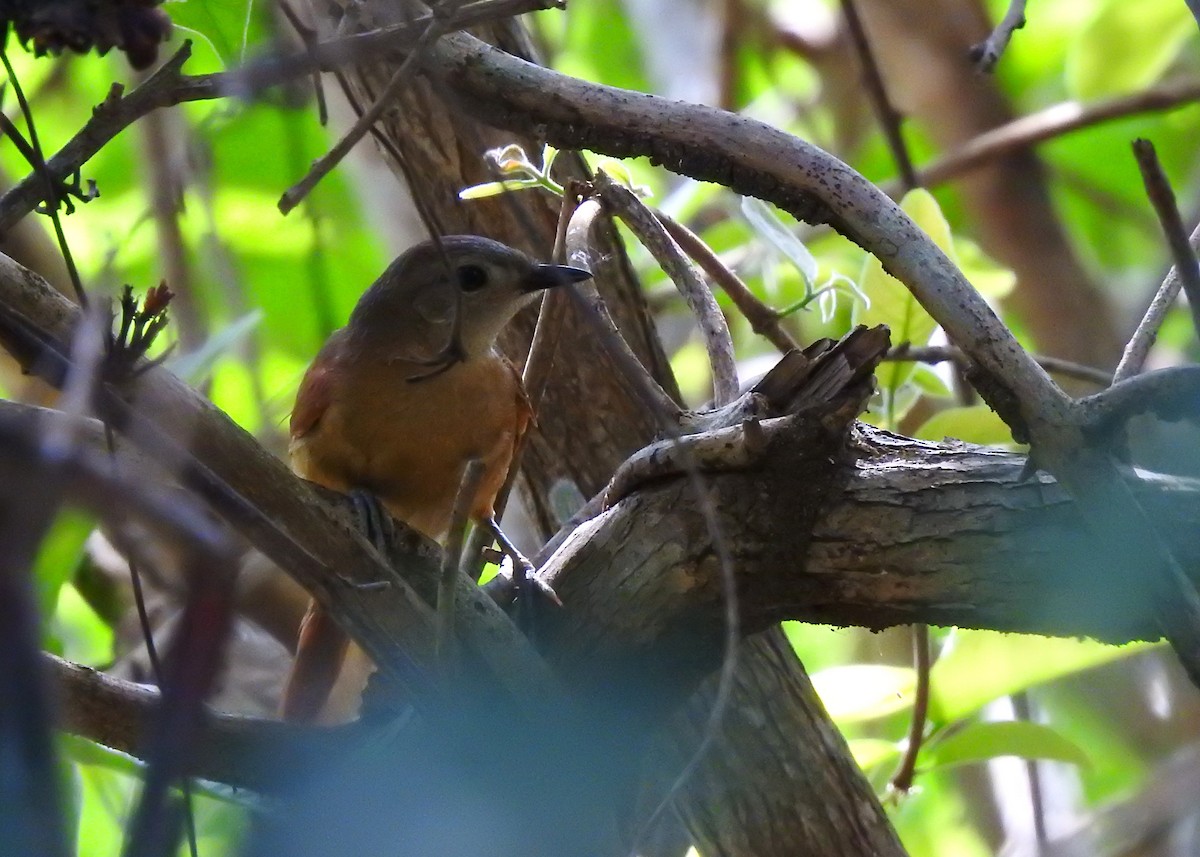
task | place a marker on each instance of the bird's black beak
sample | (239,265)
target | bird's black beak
(548,276)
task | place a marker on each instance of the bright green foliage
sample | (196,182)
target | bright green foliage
(979,666)
(973,423)
(864,691)
(979,742)
(1127,46)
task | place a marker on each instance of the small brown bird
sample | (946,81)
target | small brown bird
(397,402)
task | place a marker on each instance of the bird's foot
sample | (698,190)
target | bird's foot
(531,592)
(373,520)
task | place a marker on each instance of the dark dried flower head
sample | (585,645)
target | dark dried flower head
(136,27)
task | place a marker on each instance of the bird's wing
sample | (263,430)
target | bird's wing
(316,387)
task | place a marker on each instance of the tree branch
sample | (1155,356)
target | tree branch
(754,158)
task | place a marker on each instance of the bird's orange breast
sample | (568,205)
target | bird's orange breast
(407,441)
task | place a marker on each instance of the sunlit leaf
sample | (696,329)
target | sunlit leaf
(195,367)
(58,557)
(483,191)
(977,667)
(991,279)
(972,423)
(891,303)
(930,382)
(83,637)
(775,232)
(1126,46)
(978,742)
(864,691)
(872,752)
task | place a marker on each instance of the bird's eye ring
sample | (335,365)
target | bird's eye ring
(472,278)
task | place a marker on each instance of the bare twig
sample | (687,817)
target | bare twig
(308,37)
(52,196)
(889,117)
(987,53)
(1143,339)
(168,86)
(165,87)
(1158,189)
(763,320)
(902,780)
(1052,122)
(1055,365)
(331,54)
(624,203)
(447,593)
(321,167)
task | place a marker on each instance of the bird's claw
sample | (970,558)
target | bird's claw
(374,521)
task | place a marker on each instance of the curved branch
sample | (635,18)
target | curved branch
(757,159)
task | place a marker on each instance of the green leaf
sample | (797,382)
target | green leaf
(991,279)
(930,383)
(973,424)
(482,191)
(771,228)
(83,637)
(979,742)
(1127,46)
(225,26)
(196,366)
(864,691)
(977,667)
(890,302)
(873,752)
(58,557)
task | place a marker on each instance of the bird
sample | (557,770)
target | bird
(396,403)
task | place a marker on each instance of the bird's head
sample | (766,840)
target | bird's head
(415,302)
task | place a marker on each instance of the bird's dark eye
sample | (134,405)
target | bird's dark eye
(472,278)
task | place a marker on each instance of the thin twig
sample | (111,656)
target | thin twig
(332,54)
(987,53)
(1053,122)
(1158,189)
(942,353)
(624,203)
(902,780)
(889,117)
(321,167)
(448,580)
(1023,712)
(667,415)
(308,37)
(763,320)
(1143,339)
(50,183)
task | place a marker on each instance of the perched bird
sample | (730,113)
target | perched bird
(397,402)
